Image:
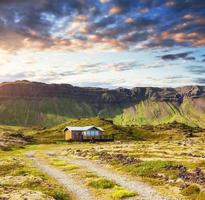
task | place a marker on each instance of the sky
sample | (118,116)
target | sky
(103,43)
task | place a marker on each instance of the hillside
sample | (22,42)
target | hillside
(14,137)
(27,103)
(191,112)
(164,132)
(55,133)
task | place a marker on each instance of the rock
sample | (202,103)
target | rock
(197,176)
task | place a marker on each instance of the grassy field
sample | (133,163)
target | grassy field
(20,179)
(169,157)
(159,164)
(173,168)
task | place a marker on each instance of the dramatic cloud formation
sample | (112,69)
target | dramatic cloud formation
(74,40)
(118,24)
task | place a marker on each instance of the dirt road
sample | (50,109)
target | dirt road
(144,190)
(79,191)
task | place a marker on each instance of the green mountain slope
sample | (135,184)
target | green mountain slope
(190,112)
(26,103)
(49,111)
(42,111)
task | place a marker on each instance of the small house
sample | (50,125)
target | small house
(86,133)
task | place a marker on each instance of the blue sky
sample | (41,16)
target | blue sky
(103,43)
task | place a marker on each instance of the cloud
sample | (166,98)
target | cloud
(102,67)
(185,56)
(111,84)
(200,81)
(114,24)
(104,1)
(172,78)
(122,66)
(16,76)
(198,70)
(115,10)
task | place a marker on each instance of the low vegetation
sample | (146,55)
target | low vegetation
(148,168)
(191,191)
(21,180)
(172,131)
(169,165)
(101,183)
(62,164)
(170,157)
(121,193)
(154,113)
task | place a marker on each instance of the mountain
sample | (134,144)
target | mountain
(39,104)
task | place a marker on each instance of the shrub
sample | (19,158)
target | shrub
(101,184)
(192,190)
(59,195)
(121,193)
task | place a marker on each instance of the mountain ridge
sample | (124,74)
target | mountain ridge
(38,89)
(34,103)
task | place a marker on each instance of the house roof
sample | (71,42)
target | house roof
(82,128)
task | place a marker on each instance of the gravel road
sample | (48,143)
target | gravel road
(145,191)
(78,190)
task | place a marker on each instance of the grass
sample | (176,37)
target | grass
(90,175)
(16,165)
(148,168)
(121,193)
(58,163)
(59,195)
(192,191)
(55,133)
(70,167)
(155,155)
(44,112)
(101,183)
(62,164)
